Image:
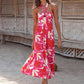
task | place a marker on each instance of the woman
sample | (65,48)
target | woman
(41,61)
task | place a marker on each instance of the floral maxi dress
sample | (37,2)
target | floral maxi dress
(41,61)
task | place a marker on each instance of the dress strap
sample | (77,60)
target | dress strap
(45,7)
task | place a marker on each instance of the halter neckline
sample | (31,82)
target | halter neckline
(45,8)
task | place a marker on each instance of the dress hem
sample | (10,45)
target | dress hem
(52,75)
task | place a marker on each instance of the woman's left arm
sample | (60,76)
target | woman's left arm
(55,14)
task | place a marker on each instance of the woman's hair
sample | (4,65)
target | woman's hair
(37,3)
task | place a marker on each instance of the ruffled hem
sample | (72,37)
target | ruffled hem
(39,76)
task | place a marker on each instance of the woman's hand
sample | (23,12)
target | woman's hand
(33,45)
(59,43)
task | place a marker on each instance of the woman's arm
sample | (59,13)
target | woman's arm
(34,13)
(55,13)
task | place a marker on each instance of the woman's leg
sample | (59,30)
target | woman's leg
(44,81)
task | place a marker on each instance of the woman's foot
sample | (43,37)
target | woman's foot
(44,81)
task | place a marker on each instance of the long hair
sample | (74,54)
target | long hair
(37,3)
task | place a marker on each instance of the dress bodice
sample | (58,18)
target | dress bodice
(49,17)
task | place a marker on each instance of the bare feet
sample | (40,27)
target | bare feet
(44,81)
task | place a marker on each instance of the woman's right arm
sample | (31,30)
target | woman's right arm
(34,12)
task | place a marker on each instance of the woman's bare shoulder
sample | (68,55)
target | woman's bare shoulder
(34,9)
(53,6)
